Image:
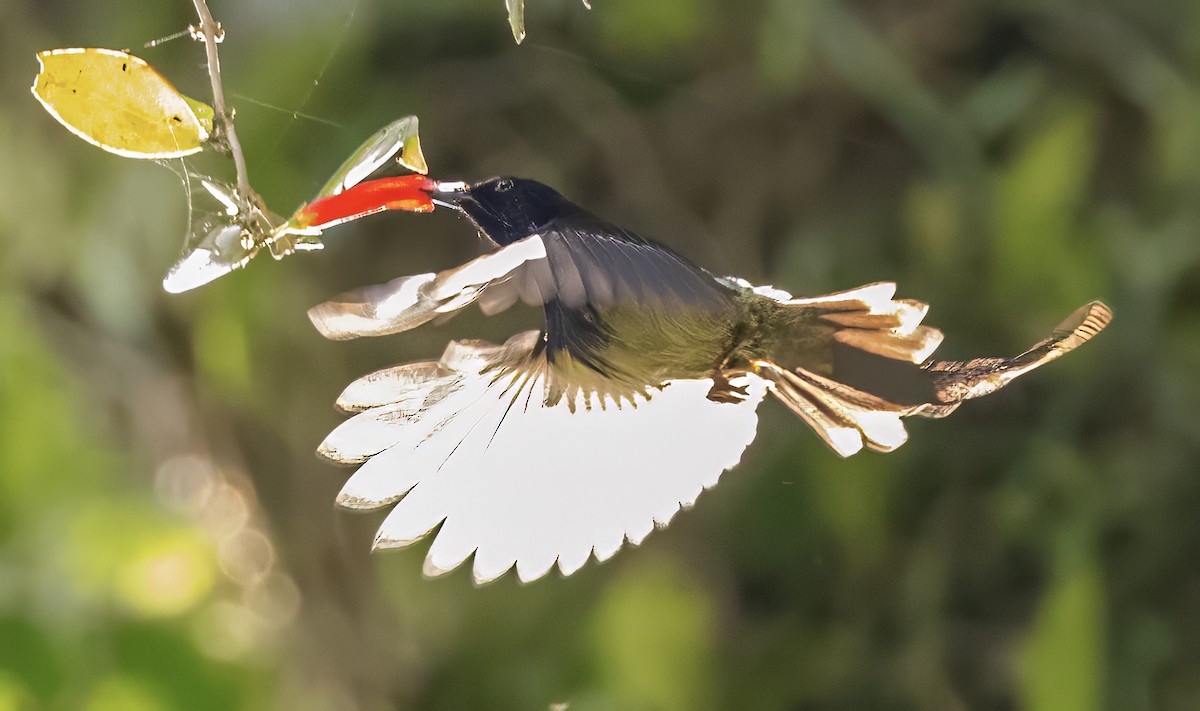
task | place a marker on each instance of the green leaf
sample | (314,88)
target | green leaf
(400,136)
(204,113)
(516,18)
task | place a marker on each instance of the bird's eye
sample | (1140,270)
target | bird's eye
(503,186)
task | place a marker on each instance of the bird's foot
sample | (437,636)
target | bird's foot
(725,391)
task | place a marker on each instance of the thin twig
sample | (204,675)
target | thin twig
(211,30)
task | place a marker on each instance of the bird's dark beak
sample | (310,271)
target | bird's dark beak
(449,193)
(459,196)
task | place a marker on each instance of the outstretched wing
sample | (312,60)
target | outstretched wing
(511,450)
(579,266)
(411,301)
(471,443)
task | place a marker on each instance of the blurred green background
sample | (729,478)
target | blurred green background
(169,541)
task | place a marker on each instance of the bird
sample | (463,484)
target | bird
(639,391)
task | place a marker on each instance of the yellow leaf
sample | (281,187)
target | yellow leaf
(120,103)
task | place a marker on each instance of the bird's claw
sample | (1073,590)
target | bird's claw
(725,391)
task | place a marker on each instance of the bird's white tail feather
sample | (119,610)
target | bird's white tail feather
(847,419)
(873,321)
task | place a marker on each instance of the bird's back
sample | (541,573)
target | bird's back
(631,309)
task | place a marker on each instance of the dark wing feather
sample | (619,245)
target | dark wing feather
(577,270)
(614,265)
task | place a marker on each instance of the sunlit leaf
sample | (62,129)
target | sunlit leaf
(227,232)
(516,18)
(120,103)
(399,137)
(217,244)
(215,249)
(204,113)
(225,235)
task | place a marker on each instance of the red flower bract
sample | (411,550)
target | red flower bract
(404,192)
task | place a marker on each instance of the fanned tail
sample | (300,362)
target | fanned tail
(872,321)
(882,370)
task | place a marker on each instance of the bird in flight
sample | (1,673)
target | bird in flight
(639,391)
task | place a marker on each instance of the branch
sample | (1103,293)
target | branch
(212,33)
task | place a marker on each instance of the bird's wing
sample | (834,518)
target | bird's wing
(411,301)
(577,266)
(595,264)
(471,443)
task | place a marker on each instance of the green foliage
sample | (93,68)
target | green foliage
(653,28)
(168,541)
(654,642)
(1064,659)
(1039,197)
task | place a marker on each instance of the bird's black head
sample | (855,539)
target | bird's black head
(505,209)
